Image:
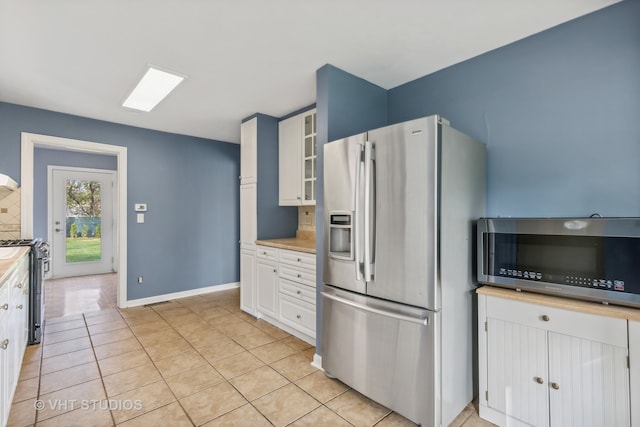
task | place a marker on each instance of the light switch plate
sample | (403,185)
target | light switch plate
(140,207)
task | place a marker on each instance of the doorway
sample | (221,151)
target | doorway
(80,217)
(29,142)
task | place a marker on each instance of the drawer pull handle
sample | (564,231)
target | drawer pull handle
(298,292)
(19,307)
(4,344)
(19,286)
(5,306)
(264,253)
(555,386)
(299,276)
(545,317)
(275,271)
(298,316)
(539,380)
(299,260)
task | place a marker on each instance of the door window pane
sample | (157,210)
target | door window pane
(83,214)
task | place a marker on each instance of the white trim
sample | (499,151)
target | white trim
(183,294)
(29,142)
(317,362)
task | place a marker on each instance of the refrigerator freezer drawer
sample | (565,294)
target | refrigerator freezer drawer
(298,314)
(385,351)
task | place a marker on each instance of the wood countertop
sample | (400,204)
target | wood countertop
(6,265)
(564,303)
(292,244)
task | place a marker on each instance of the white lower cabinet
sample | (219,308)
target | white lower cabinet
(286,291)
(634,373)
(13,331)
(546,366)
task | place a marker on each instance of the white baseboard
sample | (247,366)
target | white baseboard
(317,362)
(184,294)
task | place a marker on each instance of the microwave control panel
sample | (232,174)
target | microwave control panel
(587,282)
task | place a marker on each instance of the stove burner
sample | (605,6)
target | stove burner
(20,242)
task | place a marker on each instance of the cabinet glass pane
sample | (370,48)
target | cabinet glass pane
(309,146)
(308,190)
(308,125)
(308,168)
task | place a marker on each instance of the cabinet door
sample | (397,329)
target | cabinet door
(248,281)
(267,288)
(4,359)
(517,371)
(588,383)
(289,158)
(249,151)
(248,215)
(309,158)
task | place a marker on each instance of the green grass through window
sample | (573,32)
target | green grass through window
(83,249)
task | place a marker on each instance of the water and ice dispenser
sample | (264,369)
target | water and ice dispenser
(341,235)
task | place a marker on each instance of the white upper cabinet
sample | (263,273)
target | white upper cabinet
(249,151)
(297,159)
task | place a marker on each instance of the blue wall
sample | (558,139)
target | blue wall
(190,236)
(274,221)
(559,111)
(346,105)
(42,158)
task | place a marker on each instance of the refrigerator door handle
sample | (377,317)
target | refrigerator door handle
(357,249)
(368,159)
(405,318)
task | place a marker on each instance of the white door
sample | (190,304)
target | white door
(81,221)
(267,288)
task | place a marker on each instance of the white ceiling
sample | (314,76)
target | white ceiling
(83,57)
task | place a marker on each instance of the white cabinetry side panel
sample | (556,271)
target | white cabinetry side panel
(249,151)
(589,383)
(248,281)
(517,355)
(634,373)
(248,215)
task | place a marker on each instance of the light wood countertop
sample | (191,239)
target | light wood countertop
(6,265)
(292,244)
(564,303)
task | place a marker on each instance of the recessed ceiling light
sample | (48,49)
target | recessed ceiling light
(154,86)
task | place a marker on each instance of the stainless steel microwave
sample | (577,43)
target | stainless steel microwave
(595,259)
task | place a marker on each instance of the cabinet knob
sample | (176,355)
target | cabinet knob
(299,260)
(298,292)
(299,276)
(555,386)
(298,316)
(4,306)
(275,271)
(4,344)
(19,286)
(539,380)
(19,307)
(545,318)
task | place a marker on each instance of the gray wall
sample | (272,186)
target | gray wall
(42,158)
(190,236)
(559,111)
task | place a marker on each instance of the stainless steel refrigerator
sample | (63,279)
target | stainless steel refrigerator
(400,203)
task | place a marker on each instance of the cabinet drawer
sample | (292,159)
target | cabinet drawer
(300,275)
(300,259)
(298,314)
(603,329)
(267,253)
(298,291)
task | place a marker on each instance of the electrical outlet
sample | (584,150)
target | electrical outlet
(4,210)
(140,280)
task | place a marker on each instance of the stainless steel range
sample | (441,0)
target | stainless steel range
(38,266)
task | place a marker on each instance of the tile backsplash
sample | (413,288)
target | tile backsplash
(10,216)
(307,218)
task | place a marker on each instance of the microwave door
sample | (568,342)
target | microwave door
(343,237)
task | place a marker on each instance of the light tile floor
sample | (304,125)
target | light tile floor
(76,295)
(193,361)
